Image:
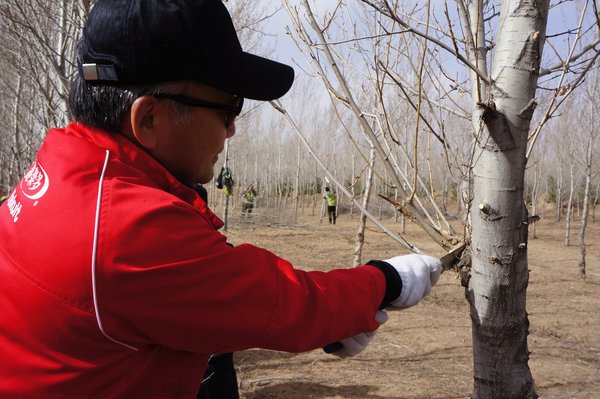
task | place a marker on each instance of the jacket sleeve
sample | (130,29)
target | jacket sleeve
(165,276)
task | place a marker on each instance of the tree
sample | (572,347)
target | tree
(502,112)
(360,235)
(590,129)
(503,75)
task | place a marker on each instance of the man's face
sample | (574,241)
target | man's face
(191,137)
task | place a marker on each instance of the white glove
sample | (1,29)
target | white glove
(418,274)
(354,345)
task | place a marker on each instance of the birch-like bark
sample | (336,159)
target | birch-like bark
(17,146)
(278,182)
(226,202)
(559,193)
(297,184)
(586,207)
(594,202)
(360,235)
(569,215)
(353,181)
(587,195)
(537,173)
(500,275)
(323,206)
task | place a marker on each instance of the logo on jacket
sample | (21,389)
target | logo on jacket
(35,183)
(14,206)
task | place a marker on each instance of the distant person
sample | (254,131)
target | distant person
(331,200)
(117,283)
(225,181)
(248,199)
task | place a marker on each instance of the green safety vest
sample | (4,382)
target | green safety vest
(249,196)
(331,201)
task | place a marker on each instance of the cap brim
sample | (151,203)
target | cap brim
(252,77)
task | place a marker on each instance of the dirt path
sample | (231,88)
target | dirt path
(425,352)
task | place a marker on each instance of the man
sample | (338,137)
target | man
(248,200)
(329,196)
(225,181)
(115,280)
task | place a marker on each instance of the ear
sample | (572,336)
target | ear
(142,119)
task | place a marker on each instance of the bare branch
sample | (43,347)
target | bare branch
(388,11)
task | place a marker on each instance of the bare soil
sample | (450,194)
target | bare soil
(425,351)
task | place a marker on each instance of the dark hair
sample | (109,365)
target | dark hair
(105,106)
(99,106)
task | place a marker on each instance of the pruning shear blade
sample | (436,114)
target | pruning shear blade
(452,258)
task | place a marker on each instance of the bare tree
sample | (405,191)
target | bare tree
(360,235)
(590,129)
(534,194)
(501,46)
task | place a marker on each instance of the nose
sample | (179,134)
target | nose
(231,130)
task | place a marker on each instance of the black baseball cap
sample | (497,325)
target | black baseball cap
(131,42)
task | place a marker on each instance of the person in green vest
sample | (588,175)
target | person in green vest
(248,200)
(225,181)
(331,204)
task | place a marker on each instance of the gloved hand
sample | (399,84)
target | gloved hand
(418,274)
(354,345)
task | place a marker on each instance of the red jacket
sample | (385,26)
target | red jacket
(115,282)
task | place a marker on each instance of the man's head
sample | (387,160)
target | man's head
(177,59)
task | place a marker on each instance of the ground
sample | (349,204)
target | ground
(425,352)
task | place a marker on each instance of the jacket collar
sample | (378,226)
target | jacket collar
(131,154)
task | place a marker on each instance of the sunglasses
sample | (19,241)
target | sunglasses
(232,110)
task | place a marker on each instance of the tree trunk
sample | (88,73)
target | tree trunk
(587,195)
(534,197)
(586,207)
(360,235)
(499,276)
(353,182)
(17,151)
(323,202)
(559,193)
(297,184)
(569,215)
(595,201)
(226,203)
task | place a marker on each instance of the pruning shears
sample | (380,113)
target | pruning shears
(452,258)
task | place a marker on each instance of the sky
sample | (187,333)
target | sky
(285,48)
